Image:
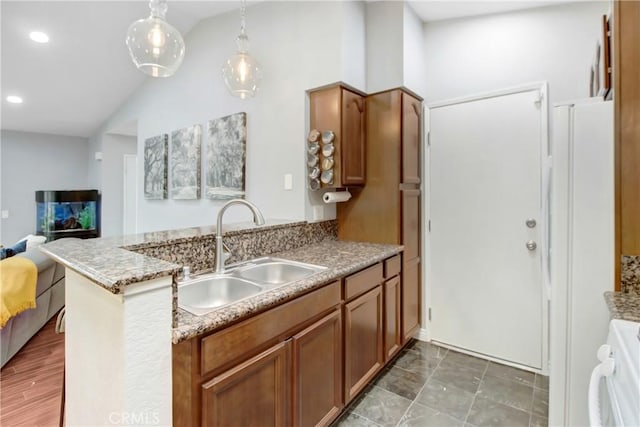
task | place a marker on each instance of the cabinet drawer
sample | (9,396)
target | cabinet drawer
(244,339)
(362,281)
(392,266)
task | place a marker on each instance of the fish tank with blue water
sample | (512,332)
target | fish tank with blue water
(70,213)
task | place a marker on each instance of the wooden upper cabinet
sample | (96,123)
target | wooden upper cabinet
(626,79)
(411,119)
(353,139)
(341,109)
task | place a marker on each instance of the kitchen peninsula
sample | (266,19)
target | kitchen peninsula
(125,334)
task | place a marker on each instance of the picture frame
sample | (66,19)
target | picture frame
(596,70)
(185,163)
(225,165)
(604,60)
(155,167)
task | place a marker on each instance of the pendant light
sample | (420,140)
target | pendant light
(155,47)
(242,73)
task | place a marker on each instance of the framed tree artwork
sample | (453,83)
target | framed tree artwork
(226,156)
(155,167)
(185,163)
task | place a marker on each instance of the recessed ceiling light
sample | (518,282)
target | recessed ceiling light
(14,99)
(39,37)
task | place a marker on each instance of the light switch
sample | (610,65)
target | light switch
(288,181)
(4,214)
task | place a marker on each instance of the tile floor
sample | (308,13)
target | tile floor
(429,385)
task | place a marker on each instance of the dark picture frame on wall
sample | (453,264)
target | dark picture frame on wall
(605,60)
(600,72)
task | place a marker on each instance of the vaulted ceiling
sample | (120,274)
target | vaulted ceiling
(77,80)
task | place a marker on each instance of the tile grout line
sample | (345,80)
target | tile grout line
(533,395)
(423,386)
(473,401)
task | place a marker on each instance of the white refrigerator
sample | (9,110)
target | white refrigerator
(581,251)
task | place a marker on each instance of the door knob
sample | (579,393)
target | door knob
(530,222)
(531,245)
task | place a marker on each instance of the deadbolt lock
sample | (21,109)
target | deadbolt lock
(531,223)
(531,245)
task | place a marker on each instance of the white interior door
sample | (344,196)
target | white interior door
(130,195)
(486,291)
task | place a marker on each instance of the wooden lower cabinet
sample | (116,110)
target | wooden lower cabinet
(410,298)
(299,363)
(392,311)
(317,372)
(363,337)
(254,393)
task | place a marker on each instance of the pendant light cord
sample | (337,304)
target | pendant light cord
(158,8)
(243,6)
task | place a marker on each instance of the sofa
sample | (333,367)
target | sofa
(49,300)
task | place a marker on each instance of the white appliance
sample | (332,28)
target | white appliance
(581,253)
(618,402)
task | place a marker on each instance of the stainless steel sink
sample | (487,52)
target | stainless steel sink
(203,294)
(271,271)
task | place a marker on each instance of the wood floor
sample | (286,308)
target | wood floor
(31,383)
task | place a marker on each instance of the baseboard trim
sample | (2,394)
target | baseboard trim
(422,335)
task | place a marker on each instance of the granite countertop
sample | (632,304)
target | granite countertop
(110,262)
(625,306)
(107,265)
(341,257)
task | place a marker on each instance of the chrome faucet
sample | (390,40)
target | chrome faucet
(258,219)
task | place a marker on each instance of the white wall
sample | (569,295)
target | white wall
(474,55)
(300,46)
(384,52)
(36,161)
(354,44)
(394,47)
(414,71)
(113,150)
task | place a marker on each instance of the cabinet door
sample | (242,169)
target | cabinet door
(392,310)
(411,223)
(353,135)
(254,393)
(363,338)
(411,113)
(410,298)
(317,372)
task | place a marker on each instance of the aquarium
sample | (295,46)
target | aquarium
(67,213)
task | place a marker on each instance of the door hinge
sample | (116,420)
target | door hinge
(429,225)
(428,139)
(429,313)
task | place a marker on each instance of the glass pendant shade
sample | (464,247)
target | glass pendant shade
(156,47)
(242,73)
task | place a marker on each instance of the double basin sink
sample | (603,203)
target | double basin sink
(205,293)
